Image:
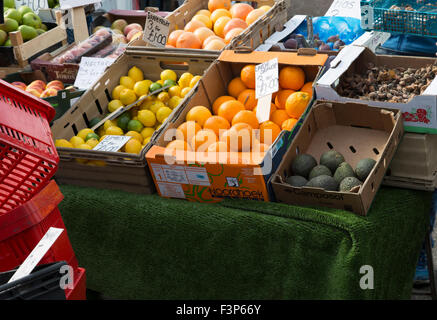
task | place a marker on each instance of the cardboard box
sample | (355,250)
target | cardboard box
(236,175)
(357,131)
(421,109)
(120,171)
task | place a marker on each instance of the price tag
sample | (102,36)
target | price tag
(344,8)
(112,143)
(367,18)
(35,5)
(68,4)
(266,78)
(156,30)
(263,108)
(90,70)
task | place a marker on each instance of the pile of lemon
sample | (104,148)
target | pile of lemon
(141,121)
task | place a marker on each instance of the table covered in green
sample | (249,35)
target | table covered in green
(146,247)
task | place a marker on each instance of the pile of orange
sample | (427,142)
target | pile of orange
(215,27)
(232,125)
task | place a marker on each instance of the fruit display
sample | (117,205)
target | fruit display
(213,28)
(123,32)
(297,41)
(40,89)
(21,19)
(333,173)
(141,121)
(386,84)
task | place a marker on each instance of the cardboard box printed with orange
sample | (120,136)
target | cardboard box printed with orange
(217,147)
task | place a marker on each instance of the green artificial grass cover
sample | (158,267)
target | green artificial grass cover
(146,247)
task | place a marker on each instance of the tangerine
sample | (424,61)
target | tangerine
(279,117)
(248,117)
(202,140)
(188,40)
(219,101)
(218,4)
(203,33)
(281,98)
(173,37)
(248,99)
(193,25)
(248,76)
(235,87)
(229,109)
(291,77)
(289,124)
(308,88)
(189,129)
(199,114)
(296,104)
(268,133)
(234,23)
(217,124)
(241,10)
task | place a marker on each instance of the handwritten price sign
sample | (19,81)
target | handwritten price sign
(266,78)
(112,143)
(156,30)
(35,5)
(90,70)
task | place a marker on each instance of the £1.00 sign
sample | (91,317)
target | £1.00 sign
(156,30)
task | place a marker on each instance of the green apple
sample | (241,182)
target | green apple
(27,32)
(8,43)
(9,3)
(44,27)
(40,31)
(3,37)
(24,9)
(13,14)
(10,25)
(32,20)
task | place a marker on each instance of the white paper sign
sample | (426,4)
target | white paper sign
(345,8)
(35,5)
(68,4)
(37,254)
(90,70)
(156,30)
(266,78)
(112,143)
(263,108)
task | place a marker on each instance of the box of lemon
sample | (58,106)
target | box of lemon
(87,136)
(217,25)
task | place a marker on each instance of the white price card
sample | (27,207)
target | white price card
(90,70)
(37,254)
(68,4)
(156,30)
(35,5)
(266,78)
(263,108)
(112,143)
(345,8)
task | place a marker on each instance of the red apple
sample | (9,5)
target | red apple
(50,92)
(34,92)
(20,85)
(55,83)
(133,33)
(131,27)
(37,84)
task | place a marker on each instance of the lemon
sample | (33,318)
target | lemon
(135,135)
(128,82)
(175,91)
(133,146)
(185,91)
(147,140)
(141,88)
(85,147)
(77,141)
(168,75)
(163,113)
(185,80)
(146,105)
(156,105)
(174,102)
(194,81)
(136,74)
(160,82)
(116,92)
(114,131)
(109,123)
(114,105)
(127,96)
(101,131)
(164,97)
(92,142)
(62,143)
(147,118)
(135,125)
(147,132)
(84,132)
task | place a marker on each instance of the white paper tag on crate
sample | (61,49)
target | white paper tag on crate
(90,70)
(263,108)
(112,143)
(37,254)
(35,5)
(156,30)
(345,8)
(266,78)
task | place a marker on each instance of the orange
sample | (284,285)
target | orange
(209,39)
(238,138)
(204,19)
(189,129)
(247,117)
(204,12)
(241,10)
(217,124)
(218,4)
(296,104)
(202,140)
(291,78)
(178,145)
(188,40)
(272,109)
(173,37)
(203,33)
(219,146)
(215,45)
(235,87)
(308,88)
(229,109)
(248,76)
(254,15)
(198,114)
(248,99)
(219,101)
(279,117)
(232,34)
(193,25)
(220,13)
(289,124)
(281,98)
(234,23)
(260,147)
(220,25)
(268,132)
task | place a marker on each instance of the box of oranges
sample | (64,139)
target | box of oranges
(215,147)
(134,75)
(216,25)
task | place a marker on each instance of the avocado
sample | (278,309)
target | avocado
(297,181)
(344,170)
(348,183)
(320,170)
(332,159)
(364,167)
(303,164)
(325,182)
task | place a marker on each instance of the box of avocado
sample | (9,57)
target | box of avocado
(339,157)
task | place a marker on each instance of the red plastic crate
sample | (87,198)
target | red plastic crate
(22,228)
(28,157)
(79,289)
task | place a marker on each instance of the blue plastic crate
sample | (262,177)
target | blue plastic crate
(413,17)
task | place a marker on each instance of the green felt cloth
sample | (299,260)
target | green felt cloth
(146,247)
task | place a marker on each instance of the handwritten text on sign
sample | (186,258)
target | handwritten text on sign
(156,30)
(266,78)
(112,143)
(345,8)
(35,5)
(90,70)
